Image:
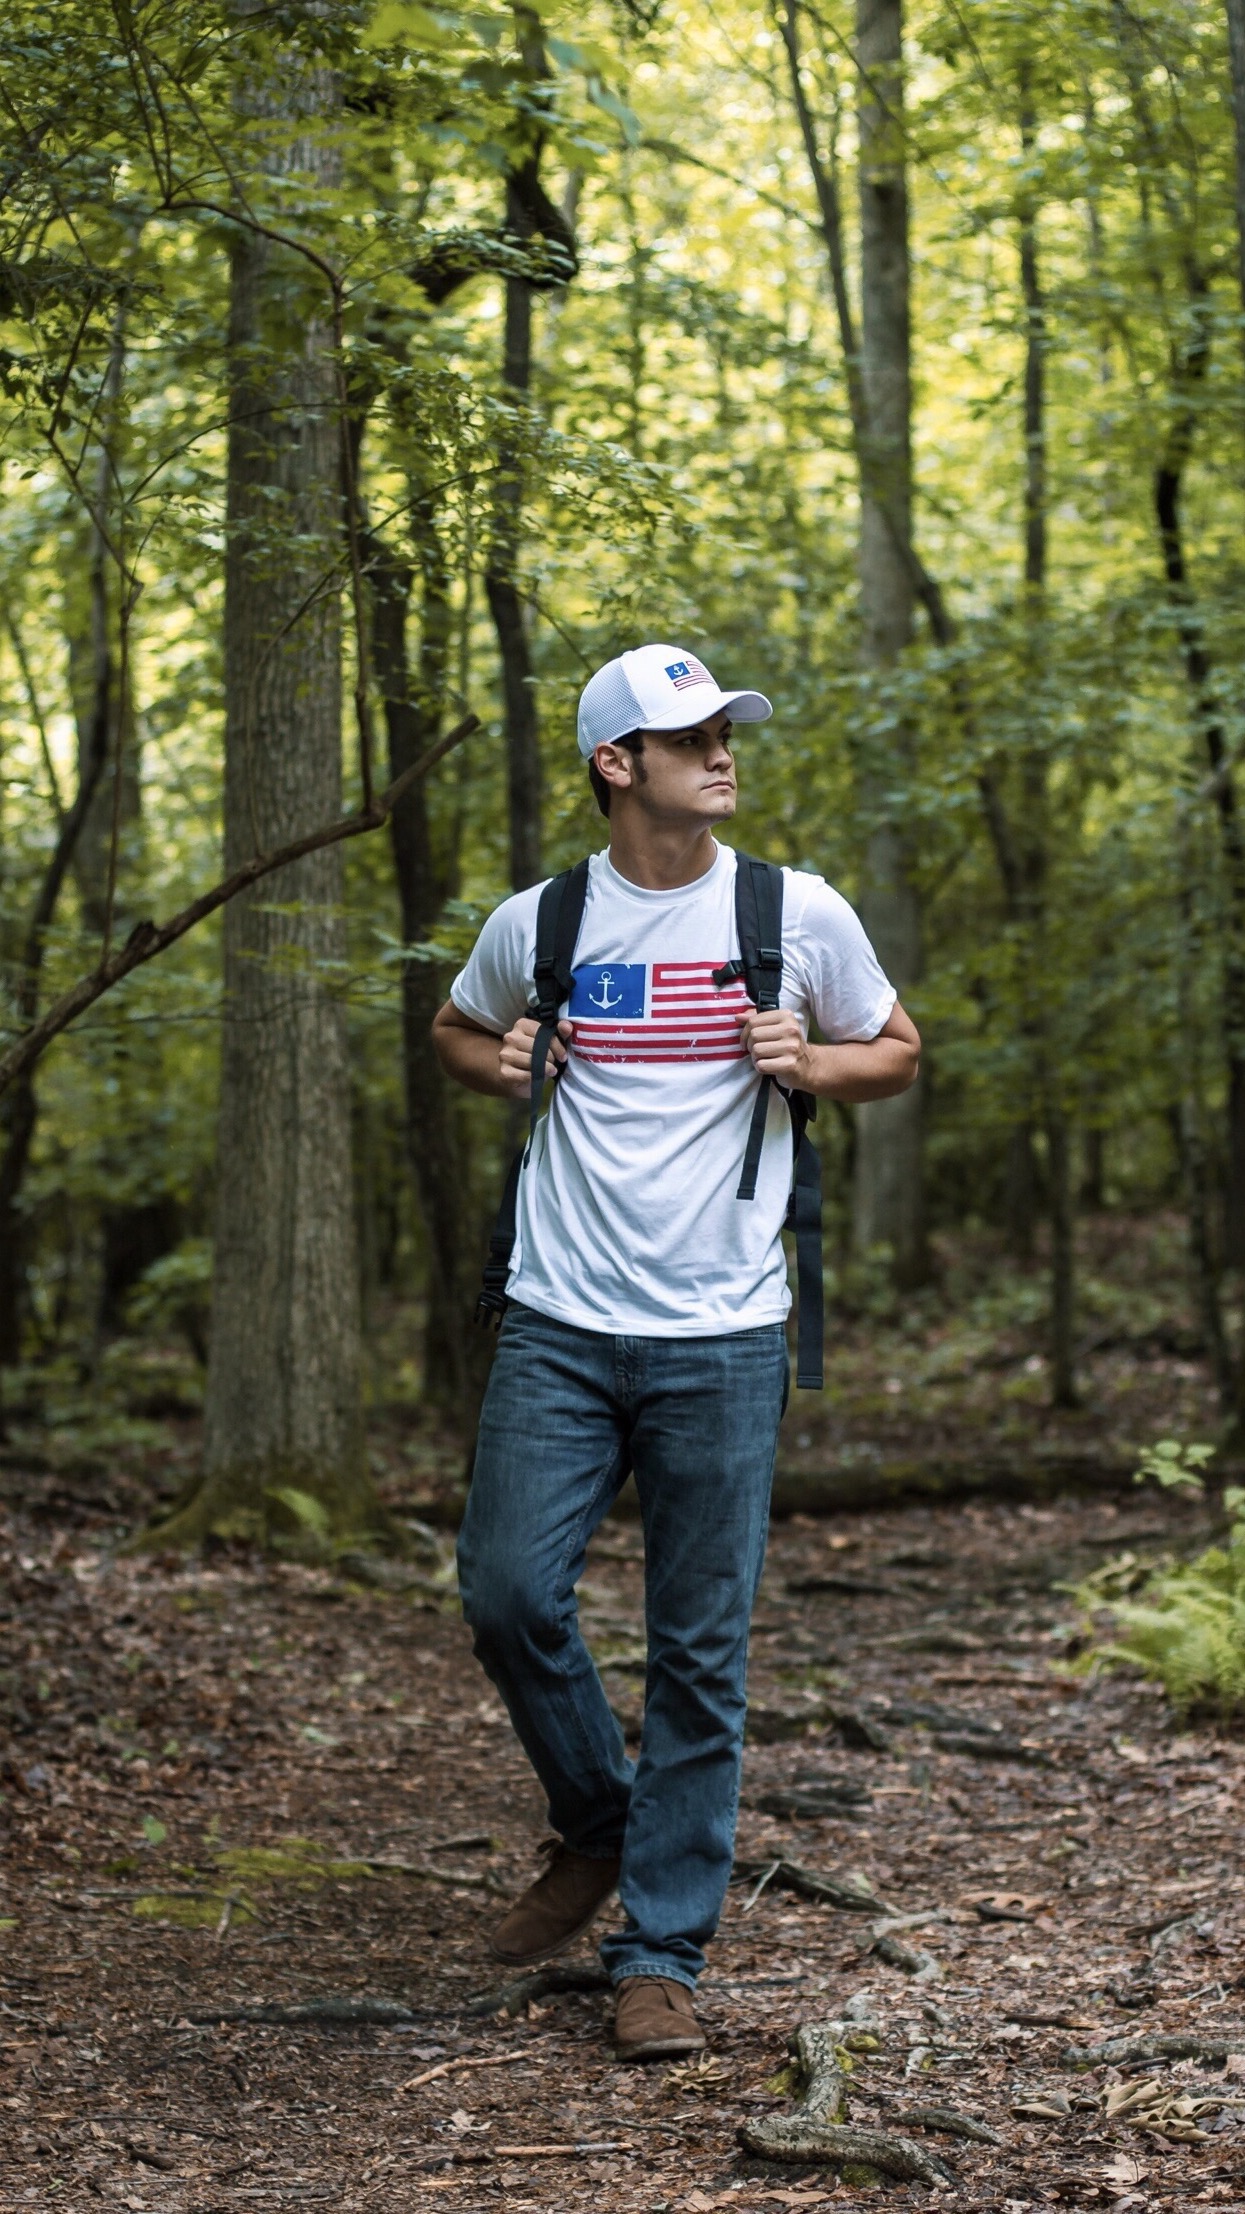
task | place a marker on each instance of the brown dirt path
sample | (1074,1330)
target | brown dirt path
(207,1763)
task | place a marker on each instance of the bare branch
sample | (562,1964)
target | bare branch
(147,939)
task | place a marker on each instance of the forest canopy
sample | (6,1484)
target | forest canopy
(368,368)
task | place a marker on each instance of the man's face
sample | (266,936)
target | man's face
(685,773)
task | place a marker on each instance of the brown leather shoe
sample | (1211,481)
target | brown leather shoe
(654,2020)
(557,1908)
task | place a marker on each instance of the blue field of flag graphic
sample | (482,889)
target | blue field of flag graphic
(609,991)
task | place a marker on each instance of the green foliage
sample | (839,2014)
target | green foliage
(174,1293)
(1175,1466)
(687,472)
(1184,1624)
(309,1514)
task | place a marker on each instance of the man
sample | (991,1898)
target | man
(645,1329)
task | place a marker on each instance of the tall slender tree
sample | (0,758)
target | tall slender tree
(888,1199)
(283,1415)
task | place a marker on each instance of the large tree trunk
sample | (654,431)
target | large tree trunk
(283,1417)
(888,1200)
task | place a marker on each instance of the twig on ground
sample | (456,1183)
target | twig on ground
(818,2129)
(896,1954)
(1121,2052)
(511,1998)
(479,2156)
(448,2067)
(766,1876)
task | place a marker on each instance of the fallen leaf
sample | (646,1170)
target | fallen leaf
(1004,1906)
(1124,2172)
(1047,2106)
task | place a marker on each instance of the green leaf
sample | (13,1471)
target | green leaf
(610,104)
(304,1508)
(154,1832)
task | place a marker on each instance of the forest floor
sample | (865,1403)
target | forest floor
(237,1784)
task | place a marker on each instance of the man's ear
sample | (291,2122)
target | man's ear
(617,765)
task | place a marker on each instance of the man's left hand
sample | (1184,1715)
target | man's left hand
(779,1048)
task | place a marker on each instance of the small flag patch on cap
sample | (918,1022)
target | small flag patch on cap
(683,673)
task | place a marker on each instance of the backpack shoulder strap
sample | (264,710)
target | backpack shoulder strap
(758,918)
(558,921)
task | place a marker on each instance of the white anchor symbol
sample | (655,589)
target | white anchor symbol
(604,1002)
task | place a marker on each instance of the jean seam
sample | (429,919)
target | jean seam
(573,1544)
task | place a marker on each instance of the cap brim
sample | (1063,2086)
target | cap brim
(742,707)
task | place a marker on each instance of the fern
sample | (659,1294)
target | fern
(1185,1628)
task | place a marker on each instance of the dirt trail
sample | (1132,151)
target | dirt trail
(210,1767)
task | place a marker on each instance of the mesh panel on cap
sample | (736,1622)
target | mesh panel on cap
(607,708)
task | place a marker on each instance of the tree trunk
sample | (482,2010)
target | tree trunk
(19,1105)
(1189,377)
(1034,840)
(888,1200)
(1236,50)
(1020,1191)
(284,1447)
(455,1355)
(523,773)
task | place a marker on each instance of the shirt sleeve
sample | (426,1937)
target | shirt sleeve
(495,986)
(837,968)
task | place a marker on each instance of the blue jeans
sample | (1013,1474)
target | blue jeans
(567,1413)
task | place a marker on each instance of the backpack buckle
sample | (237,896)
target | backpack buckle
(728,974)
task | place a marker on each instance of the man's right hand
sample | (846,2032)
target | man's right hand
(516,1056)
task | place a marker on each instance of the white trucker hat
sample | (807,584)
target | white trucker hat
(657,688)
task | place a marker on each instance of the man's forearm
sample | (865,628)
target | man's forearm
(472,1057)
(854,1073)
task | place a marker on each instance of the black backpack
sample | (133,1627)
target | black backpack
(758,918)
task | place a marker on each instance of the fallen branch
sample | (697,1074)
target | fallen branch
(511,1998)
(1123,2052)
(463,1879)
(334,2012)
(818,2129)
(854,1894)
(896,1954)
(479,2156)
(450,2067)
(831,1795)
(977,1746)
(147,939)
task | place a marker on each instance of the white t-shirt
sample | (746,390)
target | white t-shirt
(627,1217)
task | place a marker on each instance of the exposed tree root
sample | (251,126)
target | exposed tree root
(818,2130)
(1120,2052)
(541,1983)
(945,2118)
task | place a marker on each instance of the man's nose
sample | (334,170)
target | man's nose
(719,755)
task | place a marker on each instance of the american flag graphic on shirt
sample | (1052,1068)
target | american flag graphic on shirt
(666,1012)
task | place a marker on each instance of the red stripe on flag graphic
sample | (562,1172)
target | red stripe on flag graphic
(689,1020)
